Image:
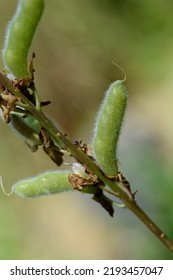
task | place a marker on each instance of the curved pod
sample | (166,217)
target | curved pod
(108,127)
(19,36)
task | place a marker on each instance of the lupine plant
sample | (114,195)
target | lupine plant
(95,169)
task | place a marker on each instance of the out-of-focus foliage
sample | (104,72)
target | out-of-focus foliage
(75,44)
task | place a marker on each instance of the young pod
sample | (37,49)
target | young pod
(19,36)
(108,127)
(51,182)
(29,129)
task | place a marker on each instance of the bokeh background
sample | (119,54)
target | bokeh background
(75,44)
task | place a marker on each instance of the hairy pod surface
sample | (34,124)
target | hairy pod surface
(19,36)
(47,183)
(108,127)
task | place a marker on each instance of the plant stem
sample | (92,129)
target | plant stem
(150,224)
(60,137)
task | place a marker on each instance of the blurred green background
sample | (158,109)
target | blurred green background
(75,44)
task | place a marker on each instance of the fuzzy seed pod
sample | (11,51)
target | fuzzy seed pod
(51,182)
(108,127)
(19,36)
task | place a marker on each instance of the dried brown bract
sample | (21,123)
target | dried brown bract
(84,147)
(120,178)
(79,182)
(7,104)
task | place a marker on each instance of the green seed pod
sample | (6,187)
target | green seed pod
(108,127)
(19,36)
(50,182)
(29,129)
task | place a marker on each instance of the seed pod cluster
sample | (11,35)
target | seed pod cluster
(108,127)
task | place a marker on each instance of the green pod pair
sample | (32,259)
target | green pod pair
(108,126)
(50,182)
(19,36)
